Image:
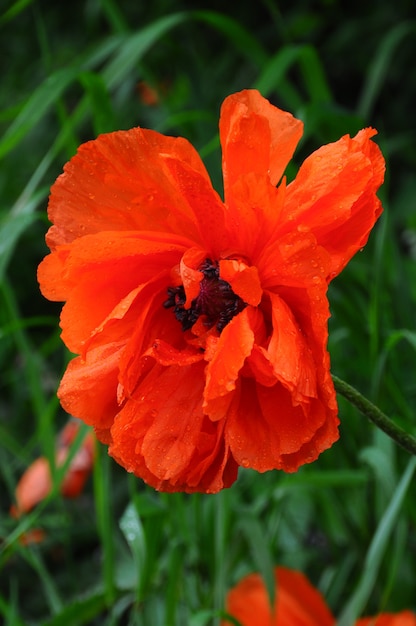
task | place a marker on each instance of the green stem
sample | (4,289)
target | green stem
(367,408)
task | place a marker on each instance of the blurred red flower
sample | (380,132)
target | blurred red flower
(405,618)
(297,603)
(201,325)
(36,482)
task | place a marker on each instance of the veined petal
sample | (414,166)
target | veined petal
(191,277)
(334,196)
(265,431)
(289,353)
(88,388)
(120,182)
(99,271)
(255,209)
(256,137)
(244,280)
(294,260)
(233,347)
(172,454)
(204,203)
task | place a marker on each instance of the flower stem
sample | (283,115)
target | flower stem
(367,408)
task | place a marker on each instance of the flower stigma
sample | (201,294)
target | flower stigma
(216,301)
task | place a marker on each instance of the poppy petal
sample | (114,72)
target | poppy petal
(265,431)
(404,618)
(171,454)
(243,279)
(256,137)
(100,271)
(89,387)
(333,195)
(292,360)
(135,191)
(233,347)
(297,602)
(254,212)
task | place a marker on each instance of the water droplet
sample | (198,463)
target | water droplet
(245,463)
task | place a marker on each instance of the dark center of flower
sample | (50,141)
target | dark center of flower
(216,301)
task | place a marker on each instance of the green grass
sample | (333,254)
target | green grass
(122,553)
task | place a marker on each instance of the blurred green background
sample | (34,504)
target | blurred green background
(121,553)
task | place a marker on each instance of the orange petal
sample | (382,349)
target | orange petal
(234,345)
(165,354)
(162,436)
(404,618)
(205,204)
(294,260)
(82,463)
(254,212)
(120,182)
(265,431)
(243,279)
(36,482)
(34,535)
(256,137)
(289,354)
(88,389)
(297,602)
(33,487)
(334,196)
(191,277)
(100,271)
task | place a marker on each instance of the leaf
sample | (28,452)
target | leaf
(11,227)
(36,106)
(380,66)
(79,612)
(132,529)
(132,49)
(241,38)
(260,549)
(376,551)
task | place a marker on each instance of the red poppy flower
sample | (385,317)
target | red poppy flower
(297,603)
(201,325)
(36,482)
(405,618)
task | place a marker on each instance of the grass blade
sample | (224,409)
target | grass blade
(357,602)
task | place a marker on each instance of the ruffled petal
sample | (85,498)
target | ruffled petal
(333,195)
(255,209)
(265,431)
(204,203)
(256,137)
(244,280)
(163,436)
(120,182)
(294,260)
(88,389)
(99,271)
(234,345)
(288,352)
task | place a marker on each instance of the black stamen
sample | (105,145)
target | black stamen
(216,300)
